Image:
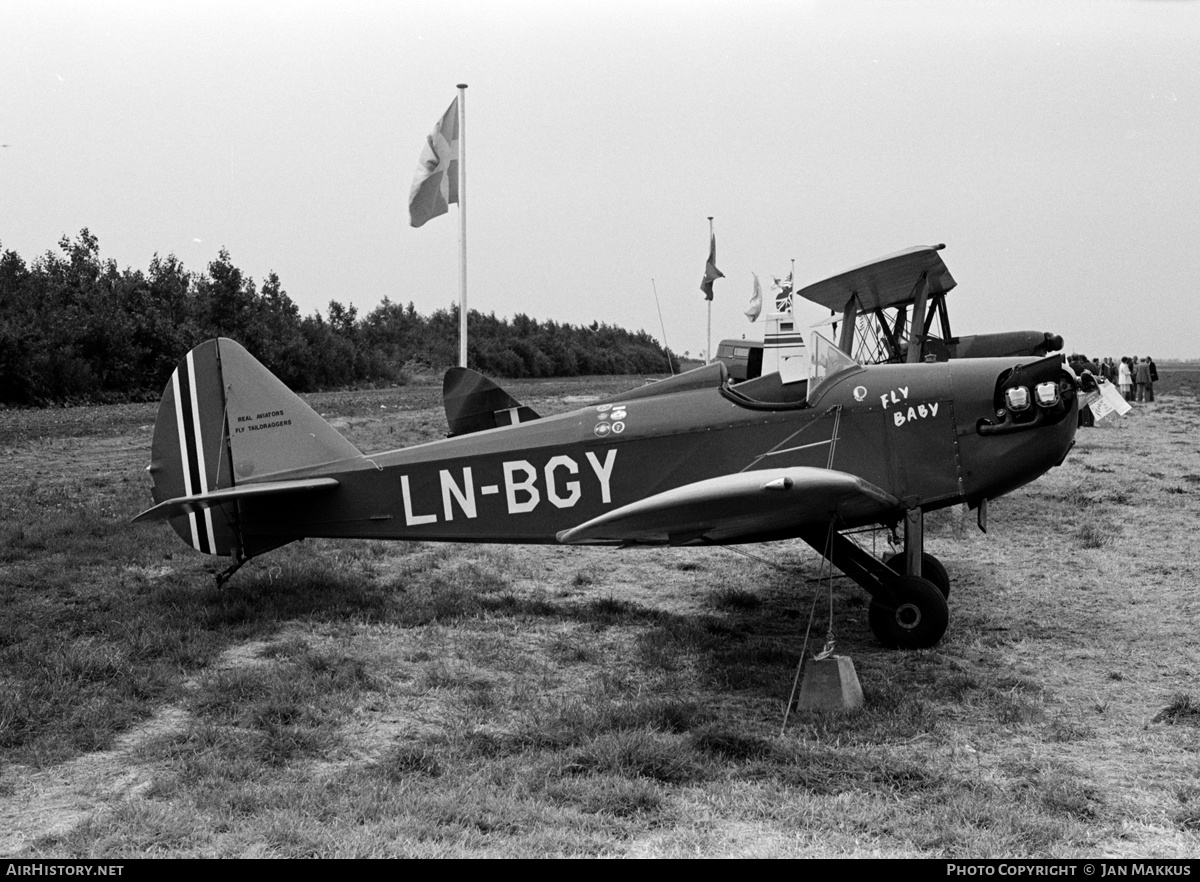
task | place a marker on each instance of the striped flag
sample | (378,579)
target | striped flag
(436,183)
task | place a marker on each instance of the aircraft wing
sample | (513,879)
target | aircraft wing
(885,282)
(732,507)
(182,505)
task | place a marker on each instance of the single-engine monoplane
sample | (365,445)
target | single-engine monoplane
(241,465)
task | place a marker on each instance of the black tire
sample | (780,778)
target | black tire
(915,616)
(931,569)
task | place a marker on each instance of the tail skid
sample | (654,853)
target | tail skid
(228,429)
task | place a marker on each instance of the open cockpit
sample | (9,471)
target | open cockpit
(797,387)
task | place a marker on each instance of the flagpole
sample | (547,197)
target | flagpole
(462,224)
(708,352)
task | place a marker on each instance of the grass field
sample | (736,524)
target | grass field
(375,699)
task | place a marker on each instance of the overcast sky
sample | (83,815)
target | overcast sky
(1052,145)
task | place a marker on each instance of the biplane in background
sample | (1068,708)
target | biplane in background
(884,311)
(241,465)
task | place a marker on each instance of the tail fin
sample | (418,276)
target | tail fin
(226,422)
(474,403)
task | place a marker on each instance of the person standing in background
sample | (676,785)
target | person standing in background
(1125,378)
(1141,376)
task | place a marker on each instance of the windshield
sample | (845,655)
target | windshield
(825,361)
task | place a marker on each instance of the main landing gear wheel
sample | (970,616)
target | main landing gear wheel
(931,569)
(915,617)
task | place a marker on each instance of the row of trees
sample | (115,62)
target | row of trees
(74,327)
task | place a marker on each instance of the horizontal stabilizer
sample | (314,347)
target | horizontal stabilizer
(474,403)
(734,507)
(182,505)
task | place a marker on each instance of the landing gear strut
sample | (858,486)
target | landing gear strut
(908,602)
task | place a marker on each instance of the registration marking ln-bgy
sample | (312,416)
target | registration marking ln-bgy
(525,487)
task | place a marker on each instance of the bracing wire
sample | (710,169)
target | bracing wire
(826,567)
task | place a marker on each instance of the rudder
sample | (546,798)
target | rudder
(189,454)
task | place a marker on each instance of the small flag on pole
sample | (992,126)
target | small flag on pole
(755,300)
(436,183)
(711,273)
(783,294)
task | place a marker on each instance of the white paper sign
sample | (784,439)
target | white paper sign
(1110,401)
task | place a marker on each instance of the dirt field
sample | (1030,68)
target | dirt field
(373,699)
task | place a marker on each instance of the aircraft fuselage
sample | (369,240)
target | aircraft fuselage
(912,429)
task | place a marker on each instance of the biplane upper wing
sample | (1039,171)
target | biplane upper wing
(885,282)
(732,507)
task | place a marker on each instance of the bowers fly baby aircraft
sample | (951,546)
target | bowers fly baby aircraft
(241,465)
